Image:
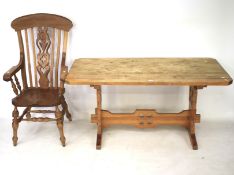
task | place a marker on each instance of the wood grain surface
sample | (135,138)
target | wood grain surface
(148,71)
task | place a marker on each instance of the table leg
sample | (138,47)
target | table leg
(192,109)
(99,116)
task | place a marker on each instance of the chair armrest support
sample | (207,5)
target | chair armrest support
(13,70)
(64,72)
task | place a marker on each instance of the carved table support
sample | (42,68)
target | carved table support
(145,118)
(98,112)
(148,118)
(193,109)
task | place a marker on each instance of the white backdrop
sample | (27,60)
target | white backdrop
(133,28)
(125,28)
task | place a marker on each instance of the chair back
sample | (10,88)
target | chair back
(43,44)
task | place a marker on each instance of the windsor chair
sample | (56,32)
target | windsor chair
(43,44)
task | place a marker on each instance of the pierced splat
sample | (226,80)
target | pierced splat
(43,43)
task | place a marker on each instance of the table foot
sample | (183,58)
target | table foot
(99,141)
(193,141)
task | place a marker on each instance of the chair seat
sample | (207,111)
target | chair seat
(38,97)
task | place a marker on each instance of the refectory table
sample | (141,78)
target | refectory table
(196,73)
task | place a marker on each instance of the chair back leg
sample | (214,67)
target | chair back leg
(65,109)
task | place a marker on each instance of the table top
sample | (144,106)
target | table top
(148,71)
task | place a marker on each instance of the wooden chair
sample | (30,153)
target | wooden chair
(43,44)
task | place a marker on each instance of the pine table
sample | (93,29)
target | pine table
(196,73)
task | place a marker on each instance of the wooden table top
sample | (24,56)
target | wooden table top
(148,71)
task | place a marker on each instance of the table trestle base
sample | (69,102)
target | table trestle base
(147,118)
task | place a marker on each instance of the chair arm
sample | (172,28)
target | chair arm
(12,71)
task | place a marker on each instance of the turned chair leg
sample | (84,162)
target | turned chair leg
(60,118)
(15,125)
(65,108)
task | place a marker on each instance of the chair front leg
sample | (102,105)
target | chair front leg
(60,118)
(15,125)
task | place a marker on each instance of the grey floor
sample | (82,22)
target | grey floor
(125,150)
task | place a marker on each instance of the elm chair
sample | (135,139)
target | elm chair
(43,44)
